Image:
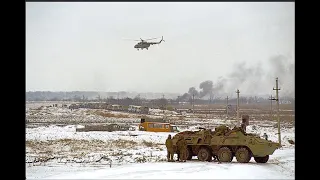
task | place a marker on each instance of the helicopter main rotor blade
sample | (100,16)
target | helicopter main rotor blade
(151,38)
(132,39)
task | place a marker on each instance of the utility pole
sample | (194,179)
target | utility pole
(271,99)
(277,99)
(227,107)
(238,119)
(118,97)
(65,96)
(210,102)
(193,103)
(164,111)
(164,102)
(208,107)
(152,102)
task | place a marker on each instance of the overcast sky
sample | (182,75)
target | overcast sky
(77,46)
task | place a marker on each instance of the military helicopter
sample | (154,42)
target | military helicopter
(143,44)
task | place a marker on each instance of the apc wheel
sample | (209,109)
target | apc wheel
(204,154)
(262,159)
(225,154)
(243,155)
(189,154)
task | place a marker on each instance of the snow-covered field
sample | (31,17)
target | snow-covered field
(281,166)
(57,151)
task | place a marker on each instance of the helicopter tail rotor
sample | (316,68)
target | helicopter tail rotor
(162,40)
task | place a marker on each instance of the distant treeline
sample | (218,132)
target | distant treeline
(139,100)
(91,95)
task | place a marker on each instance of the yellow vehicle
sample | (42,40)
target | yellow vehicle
(157,127)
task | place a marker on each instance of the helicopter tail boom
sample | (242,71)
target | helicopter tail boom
(161,40)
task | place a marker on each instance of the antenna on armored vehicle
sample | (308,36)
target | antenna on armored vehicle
(278,117)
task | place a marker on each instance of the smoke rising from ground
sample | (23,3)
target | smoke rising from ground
(206,88)
(258,79)
(284,69)
(193,91)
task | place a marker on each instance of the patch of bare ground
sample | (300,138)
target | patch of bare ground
(75,145)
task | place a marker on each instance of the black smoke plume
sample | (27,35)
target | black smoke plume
(206,88)
(252,80)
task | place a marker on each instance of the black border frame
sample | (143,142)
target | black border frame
(17,24)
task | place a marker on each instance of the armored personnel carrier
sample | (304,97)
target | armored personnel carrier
(225,143)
